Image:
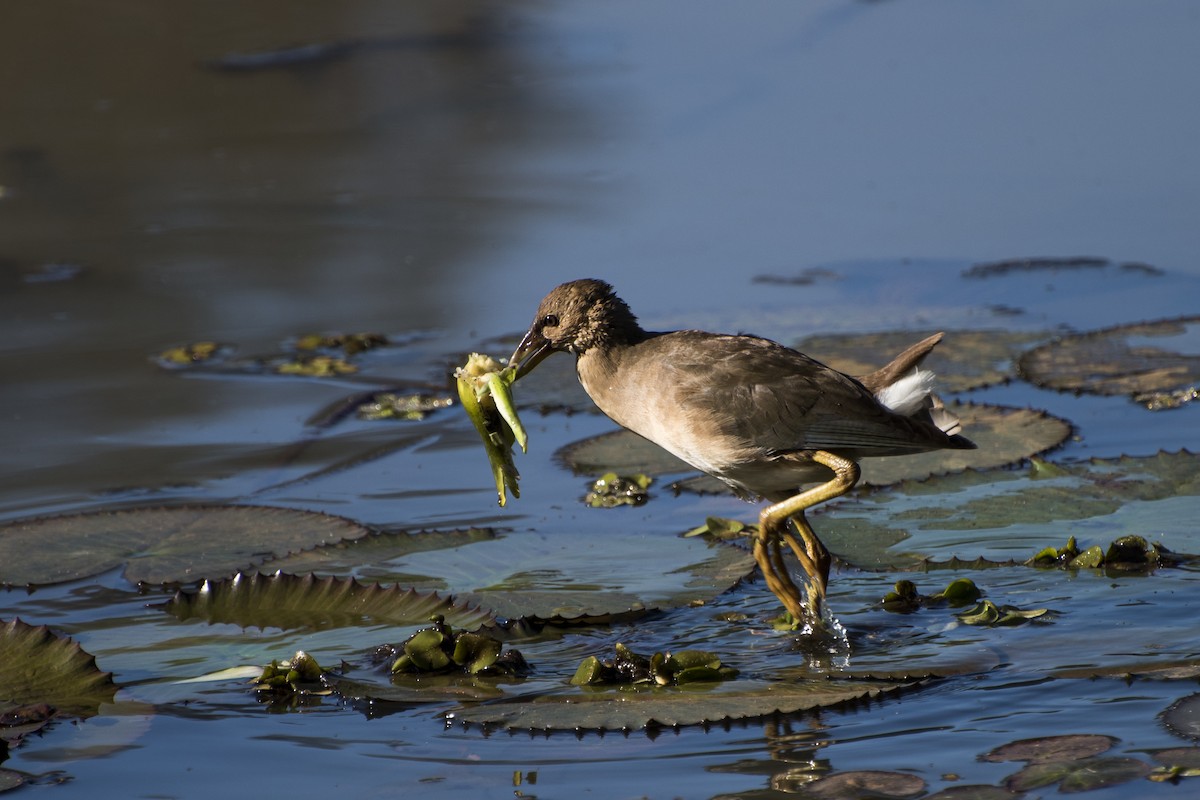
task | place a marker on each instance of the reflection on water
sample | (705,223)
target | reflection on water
(245,172)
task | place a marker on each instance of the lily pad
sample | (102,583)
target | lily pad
(1052,749)
(161,545)
(1007,512)
(1183,717)
(962,361)
(873,784)
(1078,776)
(1004,436)
(600,709)
(1136,360)
(379,557)
(289,601)
(38,667)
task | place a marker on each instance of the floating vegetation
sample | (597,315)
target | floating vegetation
(904,597)
(992,269)
(661,669)
(484,387)
(869,530)
(592,708)
(439,649)
(189,355)
(291,601)
(1125,554)
(301,675)
(38,668)
(611,490)
(161,545)
(409,407)
(1154,363)
(349,344)
(316,366)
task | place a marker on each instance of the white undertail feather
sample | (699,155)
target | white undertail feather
(907,396)
(913,394)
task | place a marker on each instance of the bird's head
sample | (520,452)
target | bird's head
(575,317)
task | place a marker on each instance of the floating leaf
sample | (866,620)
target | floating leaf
(1008,512)
(379,557)
(1051,749)
(974,791)
(905,598)
(189,355)
(611,490)
(409,407)
(349,344)
(693,704)
(441,649)
(289,601)
(963,360)
(873,784)
(989,614)
(161,545)
(1004,436)
(1178,762)
(1078,776)
(316,367)
(1183,717)
(38,667)
(300,675)
(1139,359)
(660,669)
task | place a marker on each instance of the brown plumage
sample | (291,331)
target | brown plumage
(763,418)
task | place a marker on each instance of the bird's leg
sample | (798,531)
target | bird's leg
(813,557)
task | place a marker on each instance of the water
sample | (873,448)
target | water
(435,176)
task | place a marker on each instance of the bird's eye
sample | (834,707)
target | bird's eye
(550,321)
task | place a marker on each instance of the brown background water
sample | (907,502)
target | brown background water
(246,172)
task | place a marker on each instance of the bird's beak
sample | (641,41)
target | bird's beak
(529,353)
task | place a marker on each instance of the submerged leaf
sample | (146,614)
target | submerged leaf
(38,667)
(408,407)
(161,545)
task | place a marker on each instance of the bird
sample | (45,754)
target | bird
(763,418)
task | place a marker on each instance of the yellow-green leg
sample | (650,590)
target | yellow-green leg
(813,557)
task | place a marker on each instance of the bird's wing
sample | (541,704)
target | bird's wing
(784,401)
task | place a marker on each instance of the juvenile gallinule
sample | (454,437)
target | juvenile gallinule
(763,418)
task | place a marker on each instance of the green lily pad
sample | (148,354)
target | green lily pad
(988,614)
(1005,436)
(1139,360)
(1085,775)
(290,601)
(161,545)
(1007,513)
(962,361)
(602,709)
(38,667)
(379,557)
